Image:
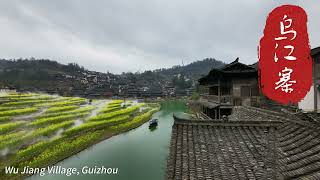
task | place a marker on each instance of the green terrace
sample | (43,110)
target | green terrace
(38,130)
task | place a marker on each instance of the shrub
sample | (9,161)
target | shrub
(135,121)
(61,109)
(96,125)
(76,111)
(109,109)
(116,113)
(4,128)
(16,112)
(5,118)
(7,137)
(35,149)
(56,119)
(62,149)
(46,131)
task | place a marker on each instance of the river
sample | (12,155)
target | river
(138,154)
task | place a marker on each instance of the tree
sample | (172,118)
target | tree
(195,96)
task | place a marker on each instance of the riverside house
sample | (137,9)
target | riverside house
(235,84)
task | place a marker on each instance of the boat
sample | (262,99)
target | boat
(153,128)
(153,122)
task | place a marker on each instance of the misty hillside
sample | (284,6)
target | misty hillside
(193,70)
(72,79)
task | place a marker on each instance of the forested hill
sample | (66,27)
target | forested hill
(193,70)
(72,79)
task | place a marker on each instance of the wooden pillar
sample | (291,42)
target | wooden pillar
(215,114)
(315,83)
(219,91)
(250,94)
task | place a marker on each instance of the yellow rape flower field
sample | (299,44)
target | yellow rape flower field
(39,130)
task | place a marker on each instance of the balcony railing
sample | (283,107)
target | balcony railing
(212,98)
(229,100)
(226,99)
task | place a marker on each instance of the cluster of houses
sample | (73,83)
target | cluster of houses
(108,85)
(160,90)
(93,84)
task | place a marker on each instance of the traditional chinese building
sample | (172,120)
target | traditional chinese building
(235,84)
(312,100)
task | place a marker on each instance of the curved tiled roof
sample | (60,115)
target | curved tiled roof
(315,51)
(253,144)
(299,151)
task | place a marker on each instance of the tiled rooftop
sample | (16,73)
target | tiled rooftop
(254,144)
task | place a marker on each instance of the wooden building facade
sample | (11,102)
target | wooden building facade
(235,84)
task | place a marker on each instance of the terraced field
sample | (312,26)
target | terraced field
(38,130)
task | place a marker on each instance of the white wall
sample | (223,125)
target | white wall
(307,104)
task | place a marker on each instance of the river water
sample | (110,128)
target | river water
(140,154)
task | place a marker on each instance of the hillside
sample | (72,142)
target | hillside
(72,79)
(193,70)
(38,75)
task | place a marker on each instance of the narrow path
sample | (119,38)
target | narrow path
(30,116)
(99,104)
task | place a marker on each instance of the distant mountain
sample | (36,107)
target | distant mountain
(52,77)
(32,74)
(193,70)
(182,78)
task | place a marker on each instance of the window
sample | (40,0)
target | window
(213,90)
(254,91)
(245,91)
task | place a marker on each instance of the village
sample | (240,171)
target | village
(72,80)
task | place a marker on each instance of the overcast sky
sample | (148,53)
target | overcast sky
(136,35)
